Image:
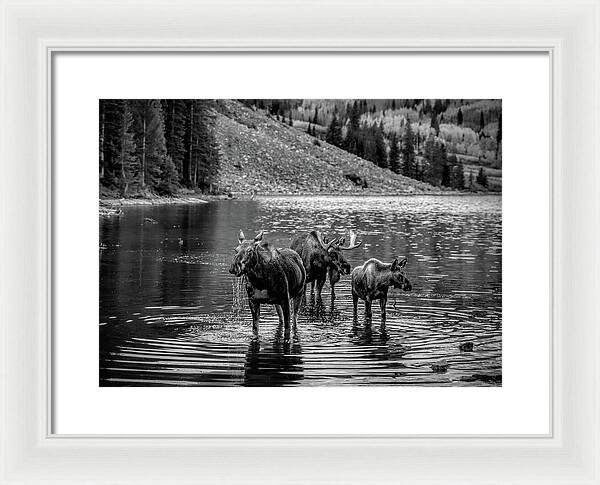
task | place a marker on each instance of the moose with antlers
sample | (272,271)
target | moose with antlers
(322,257)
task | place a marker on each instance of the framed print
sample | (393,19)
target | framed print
(240,241)
(172,314)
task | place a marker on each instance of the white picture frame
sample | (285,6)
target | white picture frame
(33,31)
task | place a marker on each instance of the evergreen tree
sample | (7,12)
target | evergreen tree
(102,125)
(408,152)
(309,129)
(481,122)
(471,181)
(435,153)
(499,137)
(334,133)
(111,119)
(380,148)
(167,183)
(458,177)
(446,175)
(202,157)
(459,117)
(394,155)
(316,117)
(482,178)
(426,107)
(438,163)
(351,142)
(206,156)
(127,161)
(148,144)
(174,111)
(150,139)
(435,125)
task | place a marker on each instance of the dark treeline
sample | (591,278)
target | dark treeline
(418,138)
(149,145)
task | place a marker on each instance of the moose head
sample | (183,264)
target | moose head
(399,279)
(246,254)
(334,250)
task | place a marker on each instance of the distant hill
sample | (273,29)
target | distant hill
(164,147)
(261,155)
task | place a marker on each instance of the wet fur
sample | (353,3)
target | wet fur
(317,262)
(277,277)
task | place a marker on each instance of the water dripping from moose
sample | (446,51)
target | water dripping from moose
(171,314)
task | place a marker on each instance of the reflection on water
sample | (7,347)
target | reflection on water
(171,314)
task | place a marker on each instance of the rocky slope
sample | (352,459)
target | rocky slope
(260,155)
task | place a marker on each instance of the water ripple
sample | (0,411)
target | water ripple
(171,315)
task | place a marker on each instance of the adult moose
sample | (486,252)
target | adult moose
(274,276)
(372,280)
(321,257)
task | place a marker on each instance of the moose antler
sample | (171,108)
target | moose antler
(352,244)
(325,245)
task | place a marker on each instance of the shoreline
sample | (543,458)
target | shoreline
(112,202)
(110,205)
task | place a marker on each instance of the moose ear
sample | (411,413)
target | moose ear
(402,263)
(258,237)
(241,237)
(342,241)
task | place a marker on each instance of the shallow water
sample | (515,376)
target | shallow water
(171,314)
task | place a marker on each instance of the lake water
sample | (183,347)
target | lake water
(171,314)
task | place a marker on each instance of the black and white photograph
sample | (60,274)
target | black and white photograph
(300,242)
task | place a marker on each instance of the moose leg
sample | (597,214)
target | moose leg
(382,305)
(279,313)
(355,302)
(285,307)
(320,284)
(255,310)
(332,281)
(297,300)
(368,311)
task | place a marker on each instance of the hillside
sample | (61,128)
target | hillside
(260,155)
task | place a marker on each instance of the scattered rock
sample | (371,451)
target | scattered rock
(466,347)
(489,378)
(357,180)
(149,220)
(440,367)
(278,159)
(110,212)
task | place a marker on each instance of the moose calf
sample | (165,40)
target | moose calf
(372,280)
